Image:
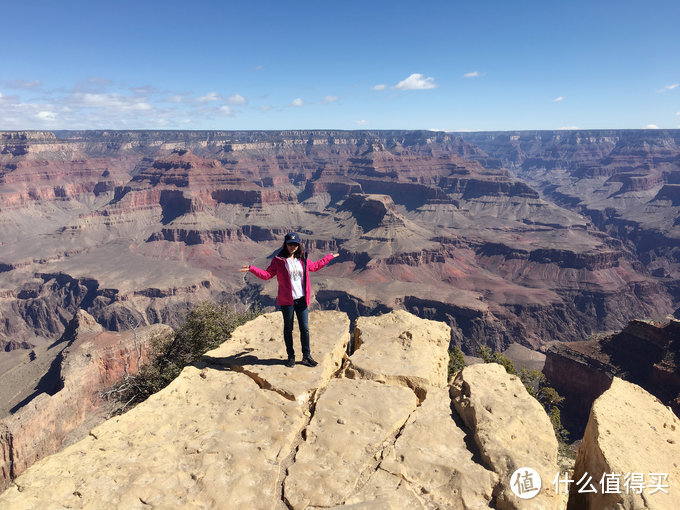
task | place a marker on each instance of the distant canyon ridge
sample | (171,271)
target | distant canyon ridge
(527,237)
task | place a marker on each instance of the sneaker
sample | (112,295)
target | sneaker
(290,362)
(308,361)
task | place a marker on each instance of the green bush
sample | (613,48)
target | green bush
(456,360)
(206,327)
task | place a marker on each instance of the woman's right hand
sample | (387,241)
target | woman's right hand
(244,269)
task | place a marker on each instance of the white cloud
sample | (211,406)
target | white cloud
(108,101)
(416,82)
(297,102)
(210,96)
(381,86)
(237,99)
(362,122)
(226,110)
(558,99)
(669,87)
(473,74)
(258,67)
(330,99)
(45,115)
(677,113)
(652,126)
(265,108)
(568,128)
(177,98)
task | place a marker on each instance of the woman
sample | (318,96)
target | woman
(291,268)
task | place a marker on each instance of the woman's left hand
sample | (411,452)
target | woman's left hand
(335,255)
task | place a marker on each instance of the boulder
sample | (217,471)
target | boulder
(257,349)
(431,457)
(630,436)
(510,429)
(353,422)
(400,348)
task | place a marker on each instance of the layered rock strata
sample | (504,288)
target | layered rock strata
(242,430)
(66,401)
(143,224)
(624,181)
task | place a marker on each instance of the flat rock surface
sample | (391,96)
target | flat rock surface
(510,428)
(630,432)
(399,348)
(354,420)
(384,491)
(257,348)
(182,446)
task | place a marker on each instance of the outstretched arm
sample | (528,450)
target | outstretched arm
(270,272)
(315,266)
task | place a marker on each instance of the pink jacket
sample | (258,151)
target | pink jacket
(278,268)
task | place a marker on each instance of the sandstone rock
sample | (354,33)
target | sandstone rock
(431,456)
(400,348)
(629,432)
(238,434)
(353,422)
(257,349)
(384,491)
(510,428)
(212,439)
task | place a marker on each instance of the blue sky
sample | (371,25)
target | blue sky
(287,64)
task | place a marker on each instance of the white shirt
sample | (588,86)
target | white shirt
(295,271)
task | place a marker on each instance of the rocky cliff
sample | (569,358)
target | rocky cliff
(380,427)
(243,430)
(644,352)
(64,400)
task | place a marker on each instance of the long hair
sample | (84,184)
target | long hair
(299,253)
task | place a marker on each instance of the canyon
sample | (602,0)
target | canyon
(507,237)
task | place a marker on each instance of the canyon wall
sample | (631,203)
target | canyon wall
(66,402)
(495,233)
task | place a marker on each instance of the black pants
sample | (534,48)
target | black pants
(299,308)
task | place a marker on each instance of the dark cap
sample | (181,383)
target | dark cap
(292,238)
